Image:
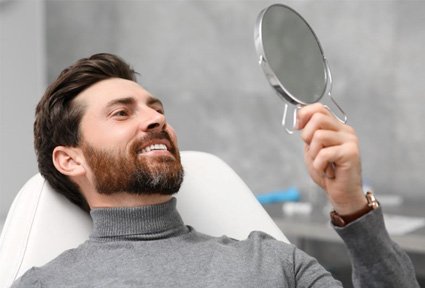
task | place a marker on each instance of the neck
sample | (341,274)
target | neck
(151,222)
(126,200)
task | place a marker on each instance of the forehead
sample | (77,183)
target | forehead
(103,92)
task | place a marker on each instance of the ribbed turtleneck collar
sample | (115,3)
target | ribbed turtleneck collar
(137,223)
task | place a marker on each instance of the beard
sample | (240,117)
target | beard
(134,173)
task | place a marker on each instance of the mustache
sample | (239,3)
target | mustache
(152,136)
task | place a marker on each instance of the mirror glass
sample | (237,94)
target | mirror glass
(292,59)
(291,55)
(294,54)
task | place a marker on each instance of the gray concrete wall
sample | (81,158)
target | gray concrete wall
(199,58)
(22,80)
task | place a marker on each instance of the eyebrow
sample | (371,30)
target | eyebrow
(131,101)
(152,101)
(122,101)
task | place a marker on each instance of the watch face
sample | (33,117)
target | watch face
(371,200)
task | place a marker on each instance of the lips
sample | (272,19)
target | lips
(154,141)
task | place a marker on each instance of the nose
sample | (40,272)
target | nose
(153,120)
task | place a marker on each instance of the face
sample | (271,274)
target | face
(126,142)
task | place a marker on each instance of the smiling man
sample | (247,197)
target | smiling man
(128,154)
(103,142)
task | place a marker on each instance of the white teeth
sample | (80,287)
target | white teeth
(154,147)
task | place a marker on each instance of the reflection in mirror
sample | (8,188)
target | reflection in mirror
(292,58)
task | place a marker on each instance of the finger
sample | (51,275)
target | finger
(342,155)
(330,171)
(318,121)
(305,113)
(327,138)
(324,138)
(322,160)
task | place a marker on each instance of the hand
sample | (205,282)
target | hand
(330,144)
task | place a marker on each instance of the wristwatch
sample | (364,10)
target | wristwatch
(341,221)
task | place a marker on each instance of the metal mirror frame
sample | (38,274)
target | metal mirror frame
(274,81)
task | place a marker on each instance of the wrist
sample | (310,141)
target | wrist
(348,201)
(350,206)
(341,219)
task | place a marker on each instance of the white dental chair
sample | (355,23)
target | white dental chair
(42,223)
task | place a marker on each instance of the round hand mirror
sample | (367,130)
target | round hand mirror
(292,59)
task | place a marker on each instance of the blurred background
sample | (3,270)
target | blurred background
(199,58)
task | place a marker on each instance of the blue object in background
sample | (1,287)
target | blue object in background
(289,195)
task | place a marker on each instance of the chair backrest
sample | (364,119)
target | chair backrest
(42,223)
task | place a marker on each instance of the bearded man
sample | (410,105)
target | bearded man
(103,141)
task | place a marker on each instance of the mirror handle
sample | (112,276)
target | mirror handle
(344,115)
(329,89)
(290,130)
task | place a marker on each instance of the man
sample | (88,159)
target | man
(103,141)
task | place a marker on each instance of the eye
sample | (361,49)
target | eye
(122,113)
(158,109)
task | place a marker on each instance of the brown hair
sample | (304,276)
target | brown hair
(57,117)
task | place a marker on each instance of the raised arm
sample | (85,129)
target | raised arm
(332,156)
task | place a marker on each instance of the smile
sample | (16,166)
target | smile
(153,147)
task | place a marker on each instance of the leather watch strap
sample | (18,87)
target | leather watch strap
(341,221)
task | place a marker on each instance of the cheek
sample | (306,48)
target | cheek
(173,135)
(107,135)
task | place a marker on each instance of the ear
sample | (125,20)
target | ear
(68,161)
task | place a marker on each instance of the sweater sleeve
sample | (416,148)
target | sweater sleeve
(309,273)
(29,279)
(376,260)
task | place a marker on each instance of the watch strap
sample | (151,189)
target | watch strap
(342,220)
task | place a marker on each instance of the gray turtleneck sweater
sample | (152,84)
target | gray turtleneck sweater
(151,247)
